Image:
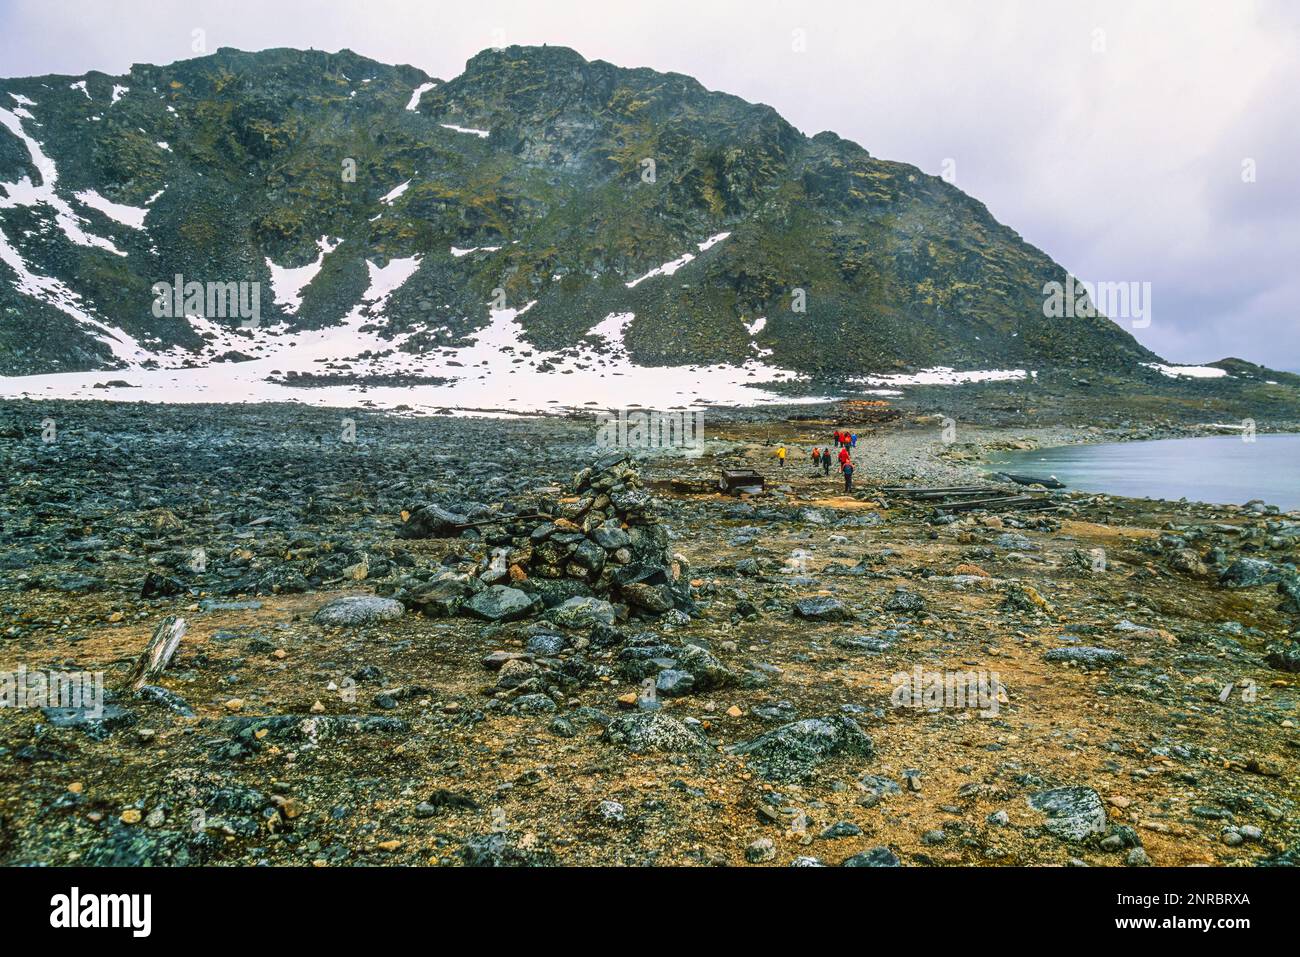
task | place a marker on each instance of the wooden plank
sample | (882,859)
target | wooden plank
(157,654)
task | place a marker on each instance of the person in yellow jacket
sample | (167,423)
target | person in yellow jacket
(780,455)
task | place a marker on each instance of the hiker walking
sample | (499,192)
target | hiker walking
(816,459)
(780,455)
(853,440)
(826,461)
(848,477)
(844,457)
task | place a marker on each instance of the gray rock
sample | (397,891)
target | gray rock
(1087,656)
(502,849)
(790,752)
(97,723)
(502,603)
(822,609)
(581,612)
(709,673)
(905,602)
(876,857)
(653,731)
(361,610)
(1284,656)
(1249,572)
(1072,813)
(672,683)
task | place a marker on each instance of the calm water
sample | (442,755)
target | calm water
(1221,468)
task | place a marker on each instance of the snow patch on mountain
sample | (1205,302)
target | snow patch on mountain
(484,134)
(943,375)
(668,268)
(392,195)
(25,193)
(132,216)
(423,88)
(288,282)
(1190,372)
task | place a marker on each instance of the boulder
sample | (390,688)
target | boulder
(502,603)
(1087,656)
(822,609)
(1072,813)
(359,610)
(653,731)
(790,752)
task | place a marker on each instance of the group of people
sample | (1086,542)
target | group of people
(844,441)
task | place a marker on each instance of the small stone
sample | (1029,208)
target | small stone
(761,851)
(131,816)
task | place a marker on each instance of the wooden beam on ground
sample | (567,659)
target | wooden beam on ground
(157,654)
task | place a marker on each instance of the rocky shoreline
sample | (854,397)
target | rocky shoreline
(418,641)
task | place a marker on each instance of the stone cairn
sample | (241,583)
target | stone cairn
(594,555)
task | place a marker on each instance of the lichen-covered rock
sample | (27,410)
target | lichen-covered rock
(1072,813)
(1250,572)
(358,610)
(502,603)
(1284,656)
(792,751)
(876,857)
(581,612)
(653,731)
(822,609)
(1085,655)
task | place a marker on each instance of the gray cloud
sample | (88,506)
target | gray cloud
(1110,133)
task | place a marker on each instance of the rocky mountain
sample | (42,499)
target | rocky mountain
(627,209)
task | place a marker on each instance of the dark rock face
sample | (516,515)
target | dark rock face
(792,751)
(566,133)
(1072,813)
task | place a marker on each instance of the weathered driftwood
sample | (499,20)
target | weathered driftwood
(157,654)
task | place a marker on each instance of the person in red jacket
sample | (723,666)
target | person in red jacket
(844,458)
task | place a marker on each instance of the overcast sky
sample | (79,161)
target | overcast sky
(1113,135)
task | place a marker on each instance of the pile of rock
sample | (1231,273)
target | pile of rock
(596,554)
